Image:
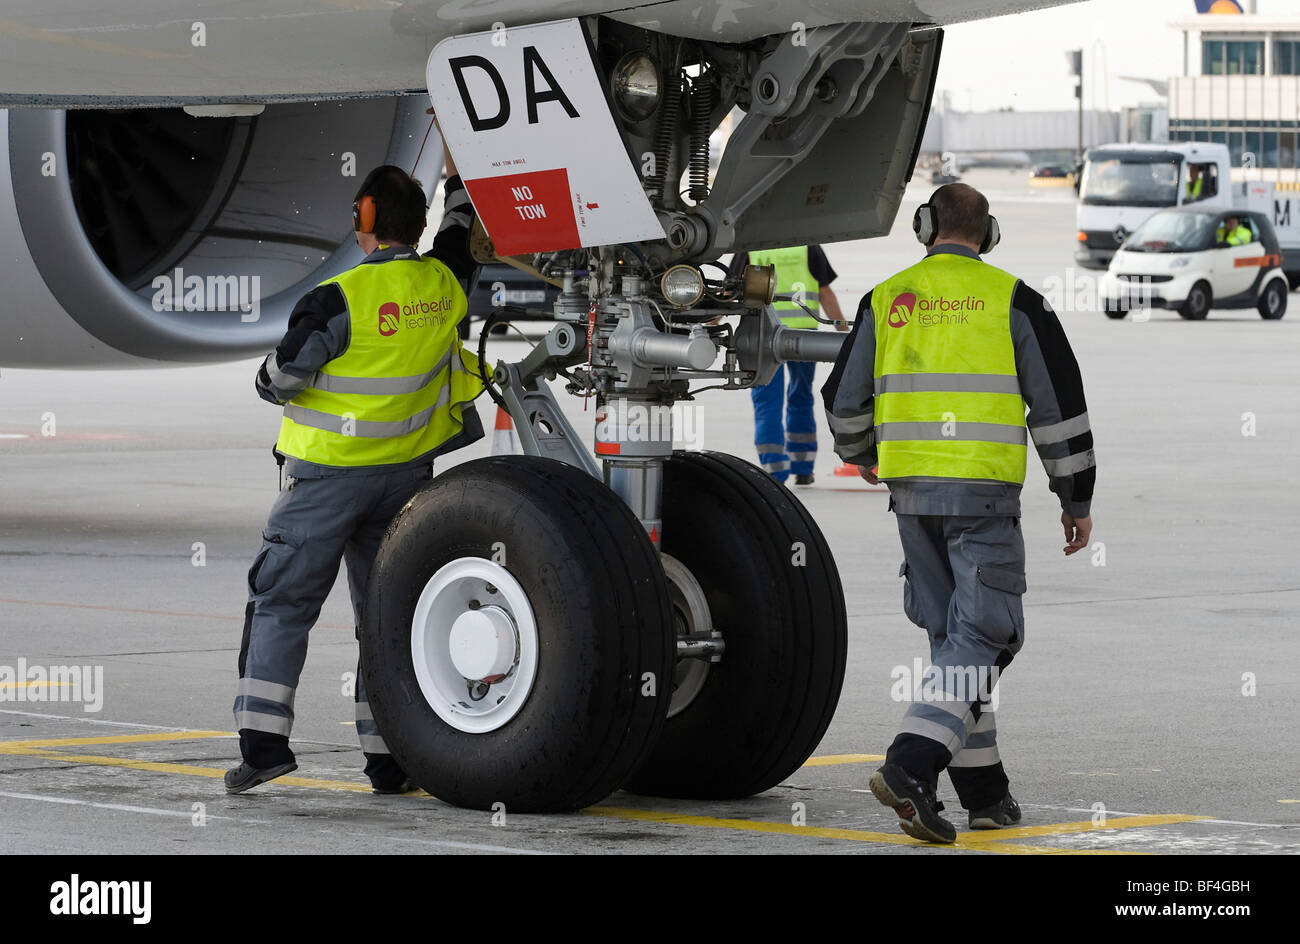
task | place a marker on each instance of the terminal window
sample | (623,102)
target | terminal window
(1286,57)
(1229,57)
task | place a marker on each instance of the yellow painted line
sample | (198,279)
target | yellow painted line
(1288,801)
(981,840)
(1086,826)
(19,746)
(21,31)
(829,760)
(34,683)
(189,770)
(1015,848)
(752,825)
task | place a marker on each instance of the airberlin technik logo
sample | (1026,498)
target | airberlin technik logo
(420,313)
(929,312)
(901,310)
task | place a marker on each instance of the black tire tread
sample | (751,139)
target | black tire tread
(815,675)
(616,542)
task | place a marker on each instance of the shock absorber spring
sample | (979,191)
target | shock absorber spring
(703,97)
(666,132)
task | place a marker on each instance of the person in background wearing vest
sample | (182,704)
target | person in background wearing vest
(933,385)
(1233,233)
(374,384)
(791,446)
(1195,184)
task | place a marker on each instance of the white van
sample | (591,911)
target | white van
(1121,185)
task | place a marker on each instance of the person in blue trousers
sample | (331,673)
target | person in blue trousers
(785,423)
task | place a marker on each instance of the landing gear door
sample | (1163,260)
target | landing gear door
(848,183)
(524,113)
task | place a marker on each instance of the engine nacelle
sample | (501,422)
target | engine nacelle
(147,237)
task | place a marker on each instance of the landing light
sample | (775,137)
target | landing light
(635,84)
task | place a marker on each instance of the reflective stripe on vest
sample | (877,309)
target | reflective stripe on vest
(397,390)
(948,401)
(792,275)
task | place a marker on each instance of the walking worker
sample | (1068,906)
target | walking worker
(374,384)
(933,385)
(791,446)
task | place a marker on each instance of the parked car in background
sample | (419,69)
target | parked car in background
(1040,171)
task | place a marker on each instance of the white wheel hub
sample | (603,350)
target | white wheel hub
(690,615)
(483,643)
(474,645)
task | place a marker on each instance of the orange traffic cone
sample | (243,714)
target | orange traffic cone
(845,469)
(505,441)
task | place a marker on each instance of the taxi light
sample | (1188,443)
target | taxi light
(682,285)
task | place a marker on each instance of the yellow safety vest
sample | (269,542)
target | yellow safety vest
(398,389)
(1194,188)
(792,275)
(1238,237)
(948,401)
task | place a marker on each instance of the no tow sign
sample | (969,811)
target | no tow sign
(525,116)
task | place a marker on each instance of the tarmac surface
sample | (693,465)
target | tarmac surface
(1152,709)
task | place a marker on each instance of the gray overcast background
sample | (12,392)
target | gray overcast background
(1019,61)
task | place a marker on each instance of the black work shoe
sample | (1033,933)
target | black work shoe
(245,777)
(915,803)
(803,479)
(405,786)
(1006,812)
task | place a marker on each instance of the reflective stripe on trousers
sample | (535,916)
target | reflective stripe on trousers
(785,422)
(964,578)
(314,525)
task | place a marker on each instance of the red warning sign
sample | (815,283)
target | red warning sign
(530,212)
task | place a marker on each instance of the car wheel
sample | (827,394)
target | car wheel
(1114,310)
(1199,299)
(1272,301)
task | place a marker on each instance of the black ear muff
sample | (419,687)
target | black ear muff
(992,236)
(925,224)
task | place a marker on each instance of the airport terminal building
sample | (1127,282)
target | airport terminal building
(1241,87)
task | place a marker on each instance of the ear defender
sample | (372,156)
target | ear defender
(992,237)
(363,214)
(925,224)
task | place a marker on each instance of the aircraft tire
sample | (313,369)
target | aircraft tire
(774,593)
(563,578)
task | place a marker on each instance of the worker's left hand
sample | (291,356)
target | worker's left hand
(841,326)
(1078,531)
(869,474)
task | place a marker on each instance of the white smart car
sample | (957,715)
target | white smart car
(1189,260)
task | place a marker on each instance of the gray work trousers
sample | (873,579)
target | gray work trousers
(314,524)
(964,580)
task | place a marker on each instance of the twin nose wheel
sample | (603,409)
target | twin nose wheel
(521,640)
